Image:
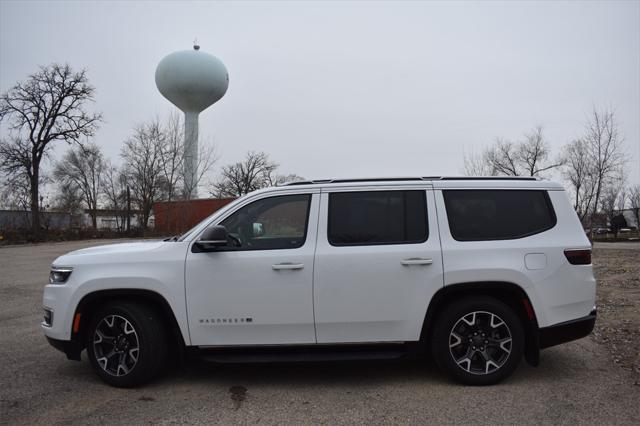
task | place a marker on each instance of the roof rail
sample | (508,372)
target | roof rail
(489,178)
(401,179)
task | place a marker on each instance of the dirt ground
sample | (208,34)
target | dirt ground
(618,324)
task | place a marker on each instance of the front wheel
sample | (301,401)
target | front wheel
(478,340)
(126,344)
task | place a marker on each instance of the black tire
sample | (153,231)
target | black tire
(127,367)
(480,354)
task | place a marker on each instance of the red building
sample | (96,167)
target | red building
(175,217)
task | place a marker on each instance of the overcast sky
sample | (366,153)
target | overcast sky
(340,89)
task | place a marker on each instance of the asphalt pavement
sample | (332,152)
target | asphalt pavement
(575,383)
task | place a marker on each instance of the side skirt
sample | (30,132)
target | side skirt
(302,353)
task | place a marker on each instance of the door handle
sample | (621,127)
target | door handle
(283,266)
(416,261)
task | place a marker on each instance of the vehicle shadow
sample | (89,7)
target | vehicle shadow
(291,374)
(554,365)
(563,363)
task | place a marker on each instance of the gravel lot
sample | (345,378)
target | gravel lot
(579,382)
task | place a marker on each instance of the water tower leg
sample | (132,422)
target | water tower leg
(191,154)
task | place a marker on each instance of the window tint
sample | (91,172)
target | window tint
(270,223)
(377,217)
(497,214)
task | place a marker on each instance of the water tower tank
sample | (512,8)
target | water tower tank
(192,80)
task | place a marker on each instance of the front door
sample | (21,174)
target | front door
(258,290)
(378,263)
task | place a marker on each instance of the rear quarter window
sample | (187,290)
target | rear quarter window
(480,214)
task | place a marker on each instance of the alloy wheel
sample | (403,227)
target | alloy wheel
(116,346)
(480,342)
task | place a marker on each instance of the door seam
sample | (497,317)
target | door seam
(435,204)
(313,268)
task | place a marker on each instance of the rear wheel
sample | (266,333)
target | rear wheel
(478,340)
(126,344)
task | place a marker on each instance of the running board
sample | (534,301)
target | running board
(275,354)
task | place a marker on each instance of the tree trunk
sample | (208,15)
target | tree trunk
(128,209)
(94,219)
(35,205)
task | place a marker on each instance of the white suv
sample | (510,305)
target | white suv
(479,272)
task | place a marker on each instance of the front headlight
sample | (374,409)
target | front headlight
(59,275)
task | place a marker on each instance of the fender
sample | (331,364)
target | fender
(507,292)
(90,302)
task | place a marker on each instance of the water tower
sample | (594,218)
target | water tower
(192,80)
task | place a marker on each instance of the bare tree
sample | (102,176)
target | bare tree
(207,157)
(609,201)
(475,165)
(634,202)
(276,179)
(534,152)
(82,169)
(115,192)
(529,157)
(142,154)
(172,159)
(578,170)
(606,151)
(14,186)
(502,158)
(49,106)
(248,175)
(172,154)
(68,199)
(621,202)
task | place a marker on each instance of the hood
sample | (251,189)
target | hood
(111,250)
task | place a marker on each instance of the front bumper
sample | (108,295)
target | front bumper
(70,348)
(567,331)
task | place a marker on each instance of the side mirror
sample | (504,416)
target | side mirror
(258,229)
(212,238)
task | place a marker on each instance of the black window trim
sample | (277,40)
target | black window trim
(387,243)
(306,224)
(554,218)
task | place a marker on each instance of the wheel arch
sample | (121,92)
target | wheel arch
(509,293)
(90,302)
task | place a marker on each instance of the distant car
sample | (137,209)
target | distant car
(481,272)
(602,231)
(624,230)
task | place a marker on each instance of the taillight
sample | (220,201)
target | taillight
(578,257)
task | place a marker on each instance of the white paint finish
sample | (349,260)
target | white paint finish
(366,294)
(245,284)
(155,265)
(534,261)
(361,294)
(560,292)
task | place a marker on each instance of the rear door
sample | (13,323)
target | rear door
(378,263)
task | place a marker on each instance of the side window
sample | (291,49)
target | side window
(377,217)
(497,214)
(270,223)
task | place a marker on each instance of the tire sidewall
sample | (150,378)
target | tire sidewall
(142,321)
(452,314)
